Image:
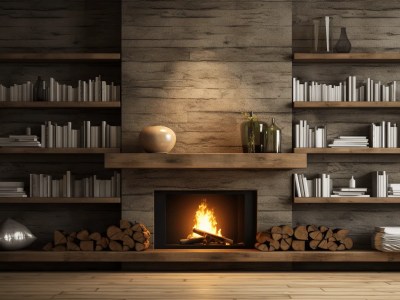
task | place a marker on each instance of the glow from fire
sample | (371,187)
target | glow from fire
(205,220)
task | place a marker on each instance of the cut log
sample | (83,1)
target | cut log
(103,242)
(197,240)
(129,232)
(59,238)
(332,246)
(323,244)
(341,247)
(83,235)
(214,236)
(277,236)
(311,228)
(48,247)
(313,244)
(139,236)
(264,236)
(323,229)
(86,245)
(348,243)
(298,245)
(71,237)
(115,246)
(142,247)
(285,244)
(114,233)
(261,247)
(286,229)
(99,248)
(137,227)
(315,235)
(128,241)
(71,246)
(63,248)
(300,233)
(276,229)
(125,224)
(328,234)
(95,236)
(340,234)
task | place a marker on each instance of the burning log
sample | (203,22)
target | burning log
(215,237)
(191,241)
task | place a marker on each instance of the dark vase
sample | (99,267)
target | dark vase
(39,90)
(343,45)
(253,133)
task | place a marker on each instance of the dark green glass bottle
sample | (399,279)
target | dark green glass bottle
(253,134)
(273,138)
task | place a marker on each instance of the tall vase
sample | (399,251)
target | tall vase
(274,138)
(343,45)
(253,133)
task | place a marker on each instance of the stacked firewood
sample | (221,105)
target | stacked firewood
(125,237)
(301,238)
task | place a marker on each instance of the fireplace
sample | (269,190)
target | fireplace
(204,219)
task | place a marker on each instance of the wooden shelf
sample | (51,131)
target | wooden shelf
(39,150)
(189,255)
(349,200)
(60,200)
(47,104)
(206,161)
(384,57)
(349,150)
(60,57)
(341,104)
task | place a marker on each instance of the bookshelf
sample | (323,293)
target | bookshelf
(60,200)
(39,150)
(348,200)
(342,104)
(60,105)
(60,57)
(375,151)
(378,57)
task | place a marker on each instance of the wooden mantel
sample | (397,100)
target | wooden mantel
(206,161)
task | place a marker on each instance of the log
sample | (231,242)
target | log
(341,247)
(137,227)
(299,245)
(300,233)
(48,247)
(197,240)
(125,224)
(261,247)
(139,236)
(86,245)
(128,241)
(71,237)
(277,236)
(83,235)
(59,238)
(348,243)
(71,246)
(313,244)
(328,234)
(340,234)
(125,248)
(95,236)
(129,232)
(332,246)
(98,248)
(315,235)
(264,236)
(214,236)
(288,230)
(115,246)
(114,233)
(276,229)
(323,229)
(285,244)
(323,244)
(103,242)
(59,248)
(311,228)
(142,247)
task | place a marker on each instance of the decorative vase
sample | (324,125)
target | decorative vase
(274,138)
(253,134)
(39,90)
(14,235)
(157,139)
(343,45)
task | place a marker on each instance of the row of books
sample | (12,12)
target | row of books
(43,185)
(380,180)
(384,135)
(12,189)
(20,141)
(349,90)
(317,187)
(306,137)
(87,136)
(350,141)
(86,91)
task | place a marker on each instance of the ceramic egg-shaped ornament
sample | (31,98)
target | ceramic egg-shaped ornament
(157,139)
(14,235)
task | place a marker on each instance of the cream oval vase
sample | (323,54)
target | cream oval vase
(157,139)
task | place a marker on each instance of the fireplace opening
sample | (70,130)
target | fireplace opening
(204,219)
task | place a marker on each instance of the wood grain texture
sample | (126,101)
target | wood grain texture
(59,57)
(206,161)
(60,105)
(348,150)
(384,57)
(342,104)
(59,200)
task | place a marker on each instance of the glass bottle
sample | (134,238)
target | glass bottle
(253,134)
(39,90)
(343,45)
(273,138)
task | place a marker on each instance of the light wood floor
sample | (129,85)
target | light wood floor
(121,286)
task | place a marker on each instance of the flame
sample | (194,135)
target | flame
(205,220)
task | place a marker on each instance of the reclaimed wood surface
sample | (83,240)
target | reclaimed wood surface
(39,150)
(347,150)
(59,200)
(384,57)
(60,105)
(59,57)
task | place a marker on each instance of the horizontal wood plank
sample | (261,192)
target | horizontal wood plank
(206,161)
(347,57)
(72,104)
(344,200)
(342,104)
(60,200)
(39,150)
(68,56)
(191,255)
(347,150)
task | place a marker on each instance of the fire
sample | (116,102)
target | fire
(205,220)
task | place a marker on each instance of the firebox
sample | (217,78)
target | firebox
(204,219)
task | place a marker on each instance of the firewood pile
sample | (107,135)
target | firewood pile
(125,237)
(206,238)
(301,238)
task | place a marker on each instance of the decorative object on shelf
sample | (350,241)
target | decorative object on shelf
(301,238)
(14,235)
(350,141)
(157,139)
(39,90)
(316,34)
(273,138)
(386,239)
(253,134)
(123,237)
(343,45)
(328,33)
(12,189)
(352,183)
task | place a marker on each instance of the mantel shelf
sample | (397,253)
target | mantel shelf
(348,150)
(347,200)
(206,161)
(72,104)
(60,200)
(342,104)
(379,57)
(39,150)
(215,255)
(60,57)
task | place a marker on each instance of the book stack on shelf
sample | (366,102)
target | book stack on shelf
(350,192)
(394,190)
(350,141)
(384,135)
(386,239)
(26,140)
(317,187)
(93,90)
(380,181)
(88,136)
(346,91)
(43,185)
(306,137)
(12,189)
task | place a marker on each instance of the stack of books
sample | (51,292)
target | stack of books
(88,136)
(43,185)
(12,189)
(346,91)
(386,239)
(20,141)
(350,141)
(317,187)
(384,135)
(350,192)
(380,181)
(306,137)
(394,190)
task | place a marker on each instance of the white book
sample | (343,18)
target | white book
(103,90)
(294,89)
(305,185)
